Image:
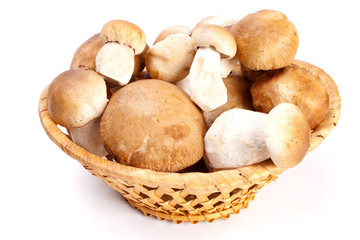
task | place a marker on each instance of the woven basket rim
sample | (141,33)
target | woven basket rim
(213,181)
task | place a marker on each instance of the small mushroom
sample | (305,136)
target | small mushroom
(293,84)
(240,137)
(265,40)
(153,124)
(172,30)
(211,43)
(76,99)
(171,58)
(115,60)
(85,55)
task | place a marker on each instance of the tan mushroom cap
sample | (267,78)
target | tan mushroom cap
(170,59)
(238,96)
(75,97)
(153,124)
(214,36)
(124,32)
(265,40)
(172,30)
(220,20)
(85,55)
(287,135)
(292,84)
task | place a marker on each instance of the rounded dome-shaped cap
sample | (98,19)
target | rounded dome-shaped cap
(214,36)
(75,97)
(175,29)
(287,135)
(124,32)
(265,40)
(153,124)
(293,84)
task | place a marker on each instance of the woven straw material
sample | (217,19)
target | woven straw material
(194,196)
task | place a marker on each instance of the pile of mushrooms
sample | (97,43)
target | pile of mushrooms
(227,92)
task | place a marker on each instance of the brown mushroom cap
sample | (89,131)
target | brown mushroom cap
(265,40)
(153,124)
(172,30)
(85,55)
(287,135)
(292,84)
(124,32)
(238,96)
(75,97)
(170,59)
(215,36)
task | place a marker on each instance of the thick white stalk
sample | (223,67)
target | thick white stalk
(207,88)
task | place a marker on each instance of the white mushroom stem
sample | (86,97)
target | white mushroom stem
(207,88)
(184,84)
(227,65)
(88,137)
(116,63)
(236,139)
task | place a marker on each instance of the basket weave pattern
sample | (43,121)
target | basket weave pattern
(194,196)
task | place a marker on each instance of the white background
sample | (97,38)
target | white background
(47,195)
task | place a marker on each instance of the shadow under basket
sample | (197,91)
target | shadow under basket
(193,196)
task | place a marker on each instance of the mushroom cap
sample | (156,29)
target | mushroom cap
(236,139)
(238,96)
(170,59)
(153,124)
(172,30)
(85,55)
(292,84)
(265,40)
(287,135)
(124,32)
(220,20)
(75,97)
(214,36)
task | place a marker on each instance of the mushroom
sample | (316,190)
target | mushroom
(85,55)
(293,84)
(171,58)
(220,20)
(238,96)
(211,43)
(115,60)
(240,137)
(287,135)
(76,99)
(160,128)
(172,30)
(265,40)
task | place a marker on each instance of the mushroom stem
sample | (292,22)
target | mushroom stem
(116,63)
(88,137)
(207,88)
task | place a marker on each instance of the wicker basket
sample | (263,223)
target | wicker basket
(191,196)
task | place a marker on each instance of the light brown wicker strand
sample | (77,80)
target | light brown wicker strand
(188,197)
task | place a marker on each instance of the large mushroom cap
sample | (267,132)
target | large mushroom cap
(293,84)
(287,135)
(75,97)
(124,32)
(214,36)
(265,40)
(153,124)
